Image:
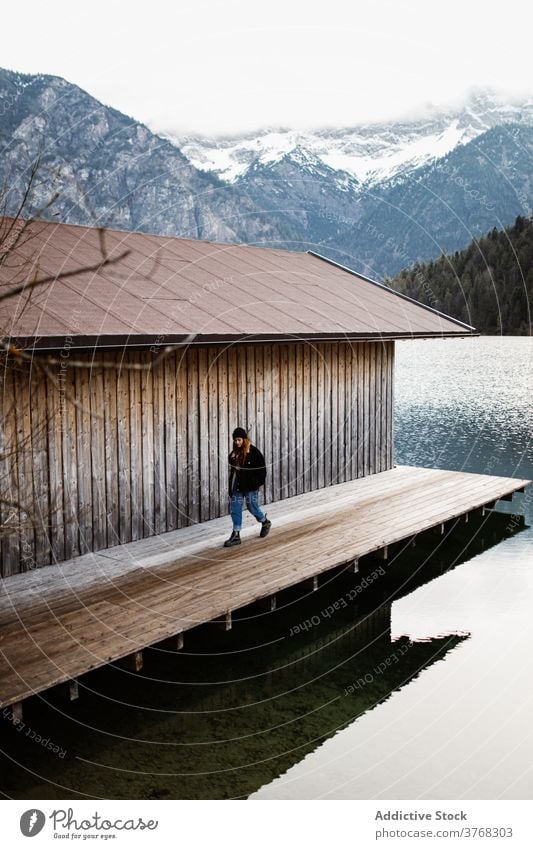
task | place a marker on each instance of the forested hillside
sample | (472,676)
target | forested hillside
(488,284)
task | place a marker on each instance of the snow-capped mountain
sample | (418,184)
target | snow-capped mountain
(372,154)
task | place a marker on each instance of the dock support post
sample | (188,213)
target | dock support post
(15,713)
(73,690)
(174,643)
(379,553)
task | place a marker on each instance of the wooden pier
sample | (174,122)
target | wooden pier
(64,620)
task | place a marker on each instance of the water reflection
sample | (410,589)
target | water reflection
(463,728)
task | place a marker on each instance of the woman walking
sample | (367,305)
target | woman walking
(247,474)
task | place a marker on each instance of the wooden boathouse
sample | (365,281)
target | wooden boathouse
(119,396)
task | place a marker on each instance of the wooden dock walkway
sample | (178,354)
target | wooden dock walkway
(61,621)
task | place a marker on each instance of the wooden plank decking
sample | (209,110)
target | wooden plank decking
(61,621)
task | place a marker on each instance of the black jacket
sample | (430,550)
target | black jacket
(250,476)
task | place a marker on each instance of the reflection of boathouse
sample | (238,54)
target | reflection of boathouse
(119,467)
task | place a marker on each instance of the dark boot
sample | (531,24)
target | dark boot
(265,527)
(235,539)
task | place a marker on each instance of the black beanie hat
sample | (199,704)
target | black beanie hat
(239,431)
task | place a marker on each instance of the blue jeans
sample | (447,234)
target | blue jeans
(252,502)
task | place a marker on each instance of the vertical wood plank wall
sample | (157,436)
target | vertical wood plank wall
(101,457)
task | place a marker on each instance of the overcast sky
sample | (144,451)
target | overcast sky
(222,67)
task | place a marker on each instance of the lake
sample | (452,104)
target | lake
(420,688)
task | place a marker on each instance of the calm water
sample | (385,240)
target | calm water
(417,686)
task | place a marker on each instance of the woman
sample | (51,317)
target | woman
(247,474)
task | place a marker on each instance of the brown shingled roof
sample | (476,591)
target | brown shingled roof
(197,290)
